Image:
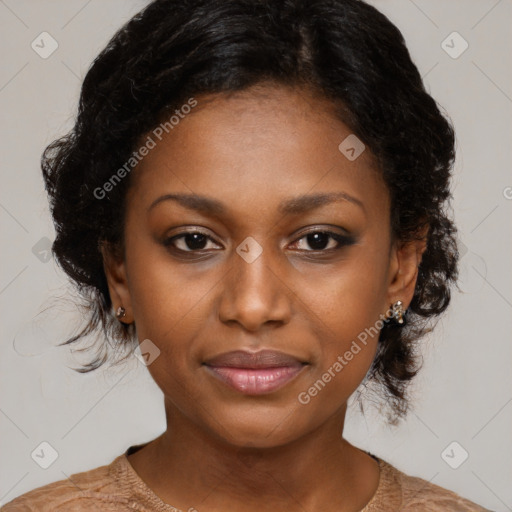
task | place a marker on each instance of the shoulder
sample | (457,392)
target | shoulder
(423,496)
(85,491)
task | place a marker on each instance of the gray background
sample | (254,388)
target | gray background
(464,391)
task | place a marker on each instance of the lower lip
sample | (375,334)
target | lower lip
(256,381)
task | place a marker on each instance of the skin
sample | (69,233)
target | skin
(224,450)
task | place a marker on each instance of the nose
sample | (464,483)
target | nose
(255,293)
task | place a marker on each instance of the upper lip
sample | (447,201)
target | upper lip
(261,359)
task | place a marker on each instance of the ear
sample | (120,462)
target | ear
(115,272)
(404,262)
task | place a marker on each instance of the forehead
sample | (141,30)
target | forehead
(256,147)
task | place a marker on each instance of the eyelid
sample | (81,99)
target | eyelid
(325,229)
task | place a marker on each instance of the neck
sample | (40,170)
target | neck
(189,468)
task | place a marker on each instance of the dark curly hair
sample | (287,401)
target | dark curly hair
(344,50)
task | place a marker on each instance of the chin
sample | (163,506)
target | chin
(260,427)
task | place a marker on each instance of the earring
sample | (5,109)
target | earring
(398,312)
(120,312)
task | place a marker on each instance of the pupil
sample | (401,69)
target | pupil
(318,241)
(195,241)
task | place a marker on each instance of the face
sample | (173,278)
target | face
(274,241)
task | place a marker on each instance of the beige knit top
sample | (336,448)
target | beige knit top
(117,487)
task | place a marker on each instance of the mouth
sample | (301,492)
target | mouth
(254,373)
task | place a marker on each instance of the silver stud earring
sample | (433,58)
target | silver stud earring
(120,312)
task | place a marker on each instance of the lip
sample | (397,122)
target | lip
(255,373)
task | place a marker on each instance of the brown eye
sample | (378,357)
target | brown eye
(323,241)
(188,242)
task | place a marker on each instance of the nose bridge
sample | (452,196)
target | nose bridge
(253,293)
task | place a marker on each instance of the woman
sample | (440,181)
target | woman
(255,192)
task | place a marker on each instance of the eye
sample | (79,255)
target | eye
(189,242)
(323,241)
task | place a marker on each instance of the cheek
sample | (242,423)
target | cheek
(167,299)
(170,308)
(350,298)
(348,309)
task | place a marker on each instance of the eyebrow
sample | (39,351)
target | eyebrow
(293,206)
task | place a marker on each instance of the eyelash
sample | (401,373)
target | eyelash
(342,240)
